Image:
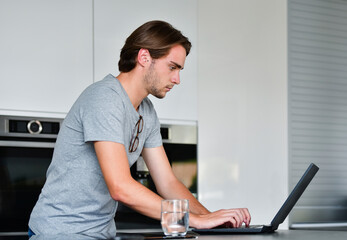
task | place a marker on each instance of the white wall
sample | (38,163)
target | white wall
(242,105)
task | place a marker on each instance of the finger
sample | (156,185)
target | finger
(247,219)
(248,216)
(238,218)
(237,215)
(233,222)
(244,216)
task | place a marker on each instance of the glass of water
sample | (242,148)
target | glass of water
(175,217)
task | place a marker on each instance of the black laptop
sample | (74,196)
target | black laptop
(281,214)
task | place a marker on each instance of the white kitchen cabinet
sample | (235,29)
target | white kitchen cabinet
(46,54)
(114,21)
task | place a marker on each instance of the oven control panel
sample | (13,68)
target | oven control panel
(29,127)
(33,127)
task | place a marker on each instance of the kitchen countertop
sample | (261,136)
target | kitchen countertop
(283,234)
(279,234)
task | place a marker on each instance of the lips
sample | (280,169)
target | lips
(168,88)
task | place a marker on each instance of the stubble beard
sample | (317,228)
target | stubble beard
(152,81)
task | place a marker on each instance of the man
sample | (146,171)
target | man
(106,130)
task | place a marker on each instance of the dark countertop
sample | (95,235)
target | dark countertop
(284,234)
(280,234)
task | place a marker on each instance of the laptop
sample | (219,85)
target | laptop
(281,214)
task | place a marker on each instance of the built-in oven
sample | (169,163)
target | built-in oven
(26,149)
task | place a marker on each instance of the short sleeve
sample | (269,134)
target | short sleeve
(102,116)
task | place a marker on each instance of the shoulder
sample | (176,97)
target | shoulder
(108,85)
(105,92)
(101,97)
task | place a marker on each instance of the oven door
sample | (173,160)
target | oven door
(23,167)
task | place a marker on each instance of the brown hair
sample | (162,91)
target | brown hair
(158,37)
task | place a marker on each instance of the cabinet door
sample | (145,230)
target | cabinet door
(46,54)
(116,20)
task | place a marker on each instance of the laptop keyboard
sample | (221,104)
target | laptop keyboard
(253,226)
(243,226)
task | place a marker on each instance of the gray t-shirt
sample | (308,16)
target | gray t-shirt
(75,198)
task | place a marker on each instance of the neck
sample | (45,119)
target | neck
(133,86)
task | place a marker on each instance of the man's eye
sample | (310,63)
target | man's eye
(172,67)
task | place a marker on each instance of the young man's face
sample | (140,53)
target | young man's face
(164,72)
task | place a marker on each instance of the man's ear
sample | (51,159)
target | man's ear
(143,57)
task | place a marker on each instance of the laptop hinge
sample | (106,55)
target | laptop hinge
(269,228)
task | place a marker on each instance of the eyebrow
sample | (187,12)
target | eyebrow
(177,65)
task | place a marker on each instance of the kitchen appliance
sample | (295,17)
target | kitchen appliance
(26,149)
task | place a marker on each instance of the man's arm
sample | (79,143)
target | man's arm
(115,168)
(169,187)
(114,165)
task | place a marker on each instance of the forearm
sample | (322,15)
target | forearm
(176,190)
(140,199)
(198,213)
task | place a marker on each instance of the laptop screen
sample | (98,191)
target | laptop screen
(294,196)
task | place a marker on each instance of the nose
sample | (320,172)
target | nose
(176,78)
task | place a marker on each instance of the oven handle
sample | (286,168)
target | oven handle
(27,144)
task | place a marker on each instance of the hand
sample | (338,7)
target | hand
(228,217)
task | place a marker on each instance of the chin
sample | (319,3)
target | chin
(160,96)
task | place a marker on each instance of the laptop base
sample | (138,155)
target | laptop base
(242,230)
